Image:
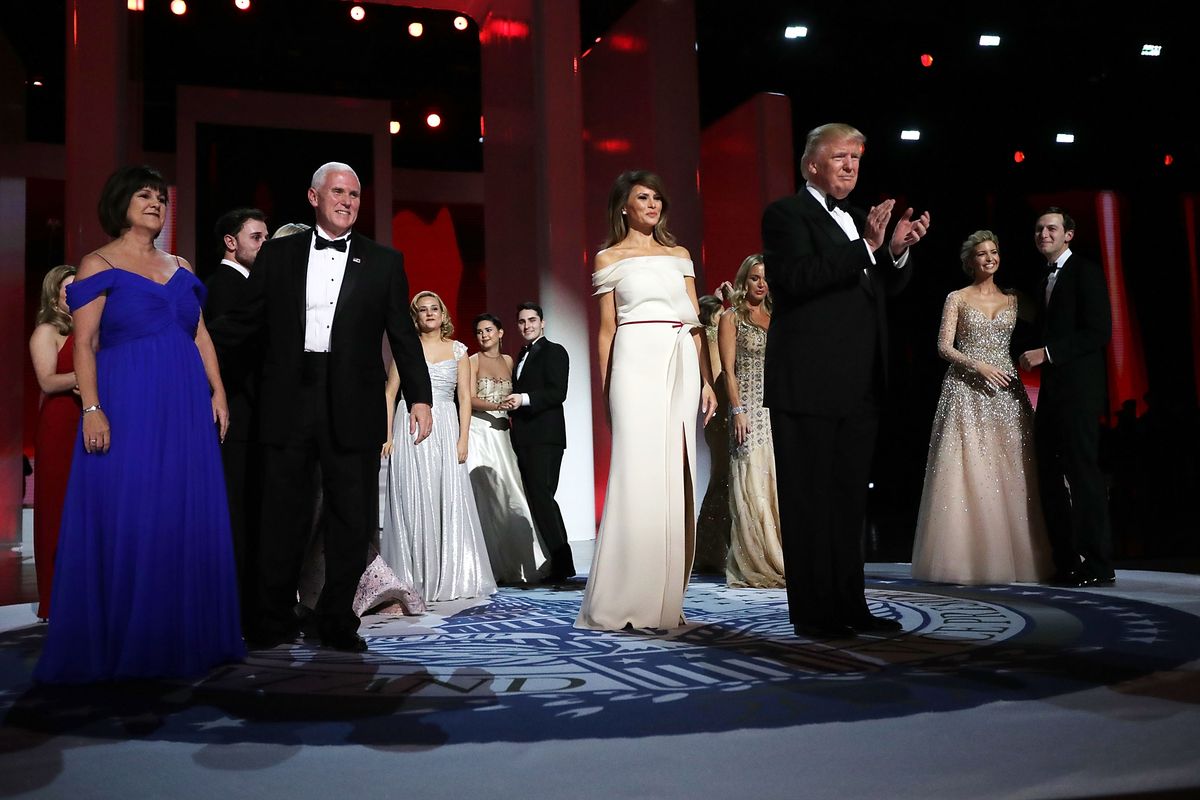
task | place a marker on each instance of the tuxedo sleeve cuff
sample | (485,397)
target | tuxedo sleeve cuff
(524,399)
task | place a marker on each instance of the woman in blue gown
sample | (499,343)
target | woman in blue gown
(145,583)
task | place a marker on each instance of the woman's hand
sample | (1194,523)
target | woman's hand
(386,450)
(996,377)
(97,437)
(220,409)
(708,402)
(741,426)
(462,451)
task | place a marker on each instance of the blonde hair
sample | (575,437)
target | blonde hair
(968,249)
(290,229)
(741,309)
(447,325)
(48,311)
(824,134)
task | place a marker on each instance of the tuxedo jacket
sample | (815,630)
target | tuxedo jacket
(827,344)
(373,302)
(544,378)
(226,291)
(1075,328)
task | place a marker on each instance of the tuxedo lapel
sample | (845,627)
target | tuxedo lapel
(350,278)
(828,225)
(297,275)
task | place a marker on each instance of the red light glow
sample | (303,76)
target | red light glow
(1168,160)
(1018,156)
(926,60)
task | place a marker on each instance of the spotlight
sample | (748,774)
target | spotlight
(1168,160)
(989,40)
(1065,138)
(433,120)
(242,5)
(795,32)
(926,60)
(910,136)
(415,29)
(460,23)
(394,127)
(358,13)
(178,7)
(1152,50)
(38,82)
(1019,156)
(136,5)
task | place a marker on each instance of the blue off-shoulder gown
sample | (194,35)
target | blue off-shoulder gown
(145,582)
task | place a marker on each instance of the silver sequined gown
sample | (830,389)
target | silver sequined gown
(431,536)
(512,541)
(980,519)
(755,549)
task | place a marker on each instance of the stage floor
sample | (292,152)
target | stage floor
(990,692)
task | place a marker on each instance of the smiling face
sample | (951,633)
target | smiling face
(834,169)
(336,202)
(488,335)
(985,259)
(147,209)
(643,207)
(530,325)
(1050,236)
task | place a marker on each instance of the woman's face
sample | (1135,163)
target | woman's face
(756,284)
(61,302)
(643,207)
(147,209)
(488,335)
(429,314)
(985,259)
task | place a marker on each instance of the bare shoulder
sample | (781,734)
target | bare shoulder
(608,257)
(507,359)
(91,264)
(182,262)
(679,251)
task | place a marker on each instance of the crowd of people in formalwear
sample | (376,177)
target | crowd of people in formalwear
(224,442)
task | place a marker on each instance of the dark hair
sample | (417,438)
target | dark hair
(1068,221)
(230,223)
(618,225)
(119,189)
(529,305)
(489,317)
(709,304)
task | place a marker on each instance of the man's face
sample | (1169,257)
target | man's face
(1050,238)
(530,324)
(336,202)
(835,168)
(243,248)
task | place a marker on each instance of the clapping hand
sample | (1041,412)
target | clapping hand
(908,232)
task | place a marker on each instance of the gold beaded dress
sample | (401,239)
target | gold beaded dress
(980,519)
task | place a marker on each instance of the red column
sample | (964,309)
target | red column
(13,336)
(746,162)
(1126,364)
(97,114)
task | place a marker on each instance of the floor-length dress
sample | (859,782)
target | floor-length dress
(643,554)
(53,443)
(513,546)
(980,519)
(145,583)
(431,535)
(755,546)
(713,523)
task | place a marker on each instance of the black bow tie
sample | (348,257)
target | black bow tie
(321,243)
(832,202)
(525,351)
(1052,267)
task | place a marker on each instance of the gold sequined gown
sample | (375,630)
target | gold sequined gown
(755,549)
(712,527)
(980,519)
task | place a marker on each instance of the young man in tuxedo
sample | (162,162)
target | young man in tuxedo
(1075,325)
(539,432)
(240,234)
(323,302)
(831,268)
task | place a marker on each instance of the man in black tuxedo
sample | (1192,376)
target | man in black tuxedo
(324,303)
(240,234)
(830,269)
(539,433)
(1075,325)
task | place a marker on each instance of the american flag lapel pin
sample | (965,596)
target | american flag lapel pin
(356,260)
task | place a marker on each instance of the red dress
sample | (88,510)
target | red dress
(54,442)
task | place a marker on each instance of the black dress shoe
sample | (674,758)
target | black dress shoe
(823,630)
(345,642)
(873,624)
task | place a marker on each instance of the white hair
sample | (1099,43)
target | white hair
(318,178)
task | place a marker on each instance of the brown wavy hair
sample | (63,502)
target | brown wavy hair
(618,225)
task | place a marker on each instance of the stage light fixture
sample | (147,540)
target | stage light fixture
(1019,156)
(242,5)
(38,82)
(910,136)
(415,29)
(178,7)
(394,127)
(926,60)
(1168,160)
(989,40)
(358,13)
(460,23)
(136,5)
(1065,138)
(433,120)
(795,32)
(1152,50)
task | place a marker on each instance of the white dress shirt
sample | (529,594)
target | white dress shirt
(326,269)
(245,273)
(521,366)
(846,223)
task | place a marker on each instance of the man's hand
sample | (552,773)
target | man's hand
(511,403)
(1033,358)
(420,421)
(877,221)
(908,232)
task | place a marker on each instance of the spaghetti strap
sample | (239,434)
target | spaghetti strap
(178,263)
(105,260)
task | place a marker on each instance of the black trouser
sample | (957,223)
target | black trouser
(822,468)
(1068,446)
(243,486)
(540,466)
(350,504)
